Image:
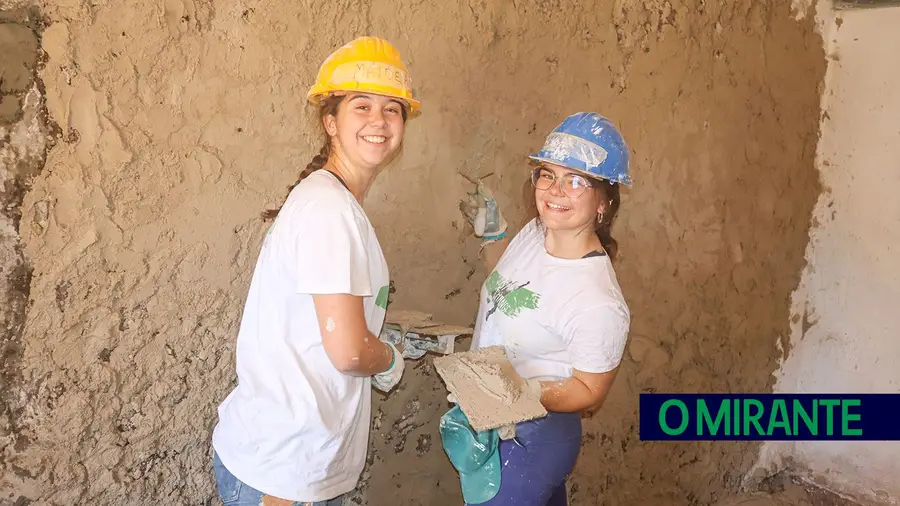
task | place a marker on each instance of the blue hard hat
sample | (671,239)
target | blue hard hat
(475,455)
(589,143)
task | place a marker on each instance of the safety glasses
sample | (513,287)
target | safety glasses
(570,184)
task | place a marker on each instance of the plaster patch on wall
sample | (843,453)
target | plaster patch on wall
(843,326)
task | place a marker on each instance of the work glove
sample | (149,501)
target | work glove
(394,336)
(387,380)
(481,211)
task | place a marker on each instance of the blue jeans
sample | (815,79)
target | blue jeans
(535,464)
(234,492)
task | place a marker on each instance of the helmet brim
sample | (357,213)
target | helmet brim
(413,106)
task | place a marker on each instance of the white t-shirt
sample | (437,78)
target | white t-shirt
(552,314)
(295,427)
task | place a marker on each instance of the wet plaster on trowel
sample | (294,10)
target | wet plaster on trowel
(488,389)
(496,382)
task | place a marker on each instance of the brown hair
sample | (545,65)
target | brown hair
(328,106)
(603,228)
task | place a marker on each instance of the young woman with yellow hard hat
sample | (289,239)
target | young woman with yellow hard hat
(296,427)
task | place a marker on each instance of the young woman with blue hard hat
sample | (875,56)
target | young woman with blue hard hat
(553,301)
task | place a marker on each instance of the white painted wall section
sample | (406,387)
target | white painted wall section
(846,325)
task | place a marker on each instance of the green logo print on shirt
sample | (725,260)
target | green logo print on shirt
(508,298)
(381,300)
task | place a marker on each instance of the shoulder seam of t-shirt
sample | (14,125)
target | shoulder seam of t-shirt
(327,174)
(336,193)
(339,179)
(359,213)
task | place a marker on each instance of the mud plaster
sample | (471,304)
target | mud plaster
(423,331)
(488,389)
(183,120)
(25,135)
(495,380)
(422,324)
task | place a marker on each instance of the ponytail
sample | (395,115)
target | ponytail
(603,229)
(328,106)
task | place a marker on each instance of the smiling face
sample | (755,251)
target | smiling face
(566,199)
(367,130)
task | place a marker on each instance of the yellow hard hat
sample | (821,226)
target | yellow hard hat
(367,64)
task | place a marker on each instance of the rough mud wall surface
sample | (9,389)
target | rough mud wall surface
(24,138)
(184,118)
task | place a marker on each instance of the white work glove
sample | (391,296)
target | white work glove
(394,337)
(507,431)
(387,380)
(480,209)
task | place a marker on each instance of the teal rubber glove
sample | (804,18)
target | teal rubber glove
(475,455)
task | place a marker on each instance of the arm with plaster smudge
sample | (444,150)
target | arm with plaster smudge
(596,334)
(353,350)
(584,390)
